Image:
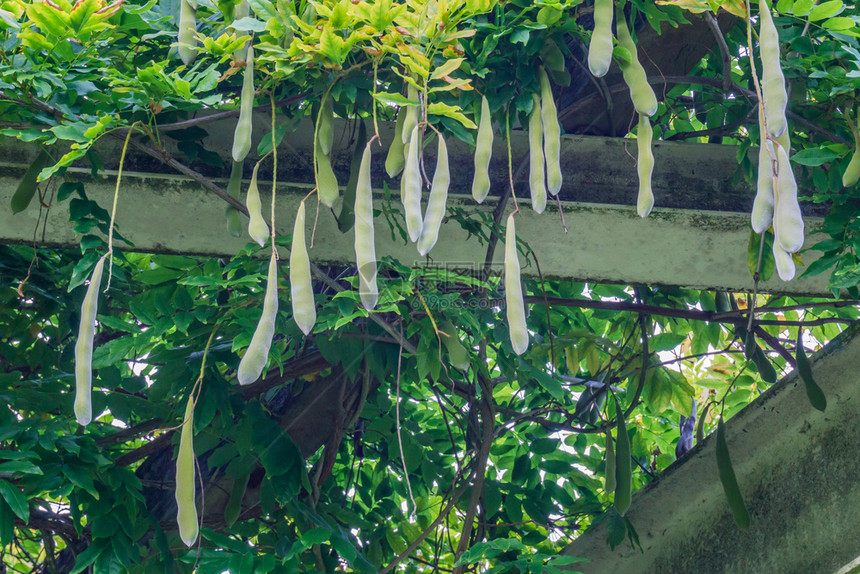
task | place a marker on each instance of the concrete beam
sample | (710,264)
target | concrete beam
(798,472)
(697,236)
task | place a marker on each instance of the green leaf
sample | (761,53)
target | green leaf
(826,10)
(16,500)
(814,156)
(816,396)
(728,479)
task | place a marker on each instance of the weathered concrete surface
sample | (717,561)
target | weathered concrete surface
(799,475)
(607,243)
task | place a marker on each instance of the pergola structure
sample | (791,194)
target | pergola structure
(794,464)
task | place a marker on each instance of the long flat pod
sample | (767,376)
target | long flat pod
(412,187)
(537,167)
(327,185)
(365,248)
(396,158)
(84,347)
(242,136)
(551,135)
(411,116)
(623,464)
(645,166)
(437,202)
(774,95)
(186,508)
(187,46)
(325,131)
(257,228)
(257,354)
(483,153)
(787,219)
(762,211)
(301,288)
(634,74)
(514,292)
(610,478)
(600,47)
(727,477)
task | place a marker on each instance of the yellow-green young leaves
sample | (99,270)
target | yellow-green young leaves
(242,137)
(634,75)
(727,477)
(514,292)
(301,288)
(365,248)
(257,354)
(327,185)
(411,186)
(257,228)
(623,464)
(437,202)
(644,165)
(610,483)
(186,509)
(187,46)
(551,135)
(600,47)
(84,348)
(537,172)
(773,94)
(396,158)
(483,153)
(787,219)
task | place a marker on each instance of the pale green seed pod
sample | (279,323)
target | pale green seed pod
(551,135)
(784,263)
(301,287)
(634,74)
(609,485)
(537,171)
(514,292)
(762,211)
(412,187)
(325,132)
(600,47)
(84,347)
(242,137)
(243,9)
(327,185)
(257,228)
(187,46)
(457,353)
(787,219)
(257,354)
(774,95)
(437,202)
(396,158)
(483,153)
(412,114)
(852,172)
(365,248)
(186,507)
(645,166)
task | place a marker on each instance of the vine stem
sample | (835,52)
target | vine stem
(399,436)
(115,201)
(274,172)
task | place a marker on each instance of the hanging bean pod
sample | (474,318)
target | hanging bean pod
(257,355)
(537,169)
(187,46)
(787,219)
(762,211)
(84,347)
(634,74)
(327,185)
(610,484)
(623,464)
(396,158)
(186,507)
(412,187)
(551,135)
(644,165)
(301,288)
(365,248)
(774,95)
(412,115)
(483,153)
(514,292)
(242,137)
(600,47)
(785,267)
(257,228)
(437,202)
